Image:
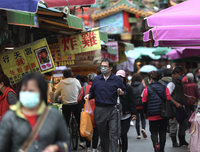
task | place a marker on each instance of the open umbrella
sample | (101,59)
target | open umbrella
(179,53)
(175,26)
(148,68)
(173,33)
(185,13)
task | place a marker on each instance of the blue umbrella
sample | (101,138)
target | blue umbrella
(20,5)
(148,68)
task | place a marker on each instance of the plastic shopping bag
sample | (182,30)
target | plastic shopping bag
(195,137)
(86,127)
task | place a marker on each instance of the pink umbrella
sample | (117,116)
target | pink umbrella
(179,43)
(179,53)
(182,33)
(185,13)
(59,3)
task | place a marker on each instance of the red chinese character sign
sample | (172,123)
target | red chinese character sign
(84,42)
(33,57)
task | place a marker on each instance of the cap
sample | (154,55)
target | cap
(121,73)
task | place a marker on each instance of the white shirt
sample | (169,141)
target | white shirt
(106,78)
(171,87)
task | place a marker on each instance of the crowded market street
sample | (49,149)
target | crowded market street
(99,75)
(145,145)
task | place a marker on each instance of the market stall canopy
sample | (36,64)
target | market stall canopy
(20,5)
(32,5)
(173,33)
(60,3)
(185,13)
(148,68)
(137,53)
(162,50)
(179,53)
(53,20)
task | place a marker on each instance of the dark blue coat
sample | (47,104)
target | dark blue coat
(105,91)
(154,103)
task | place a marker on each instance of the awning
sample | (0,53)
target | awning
(59,3)
(20,5)
(31,6)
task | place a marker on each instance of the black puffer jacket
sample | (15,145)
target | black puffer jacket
(136,92)
(128,105)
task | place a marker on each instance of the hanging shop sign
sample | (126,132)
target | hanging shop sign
(84,42)
(34,57)
(85,58)
(112,24)
(58,58)
(111,51)
(122,49)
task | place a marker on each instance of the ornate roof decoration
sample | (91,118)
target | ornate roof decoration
(121,5)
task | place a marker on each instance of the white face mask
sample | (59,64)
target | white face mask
(129,78)
(29,99)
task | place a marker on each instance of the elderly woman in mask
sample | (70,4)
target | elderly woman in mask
(18,123)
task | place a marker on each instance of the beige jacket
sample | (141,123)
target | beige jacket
(69,89)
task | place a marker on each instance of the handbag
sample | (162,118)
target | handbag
(86,127)
(165,108)
(35,131)
(181,114)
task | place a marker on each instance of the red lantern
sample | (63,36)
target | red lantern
(137,16)
(86,17)
(80,16)
(86,22)
(85,9)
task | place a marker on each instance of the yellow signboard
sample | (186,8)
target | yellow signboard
(34,57)
(84,42)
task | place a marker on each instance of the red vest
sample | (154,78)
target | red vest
(4,106)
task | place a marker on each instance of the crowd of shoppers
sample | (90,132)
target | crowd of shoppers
(115,100)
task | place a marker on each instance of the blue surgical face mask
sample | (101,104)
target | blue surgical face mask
(29,99)
(104,70)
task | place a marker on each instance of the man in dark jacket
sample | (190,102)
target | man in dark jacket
(177,92)
(104,89)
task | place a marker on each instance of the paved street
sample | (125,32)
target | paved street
(145,145)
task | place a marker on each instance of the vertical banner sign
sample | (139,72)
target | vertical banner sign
(34,57)
(85,42)
(111,51)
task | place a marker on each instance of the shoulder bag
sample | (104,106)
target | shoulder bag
(35,131)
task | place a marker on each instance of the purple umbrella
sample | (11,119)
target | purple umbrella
(179,43)
(173,33)
(179,53)
(185,13)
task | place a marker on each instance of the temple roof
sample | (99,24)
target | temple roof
(121,5)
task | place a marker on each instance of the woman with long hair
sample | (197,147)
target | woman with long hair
(152,98)
(137,89)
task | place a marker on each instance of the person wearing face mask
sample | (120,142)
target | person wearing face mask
(7,95)
(129,79)
(177,92)
(128,110)
(19,122)
(105,89)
